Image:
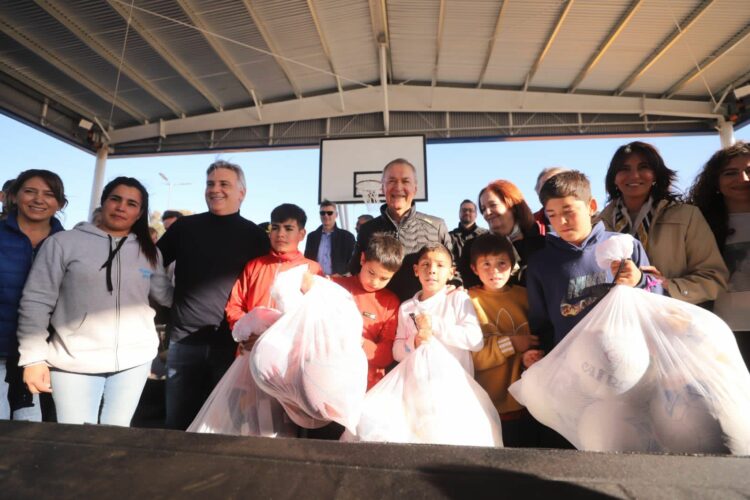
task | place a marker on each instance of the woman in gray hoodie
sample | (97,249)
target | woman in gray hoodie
(89,287)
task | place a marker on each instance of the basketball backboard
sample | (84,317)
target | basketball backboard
(351,168)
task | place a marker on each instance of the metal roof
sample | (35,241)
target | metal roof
(159,76)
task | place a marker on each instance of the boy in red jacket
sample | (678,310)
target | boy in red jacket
(379,306)
(253,287)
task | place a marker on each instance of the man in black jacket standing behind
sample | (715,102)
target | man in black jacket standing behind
(399,217)
(210,250)
(330,246)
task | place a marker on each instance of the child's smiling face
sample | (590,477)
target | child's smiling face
(434,269)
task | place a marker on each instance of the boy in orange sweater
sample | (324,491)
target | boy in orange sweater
(253,287)
(503,311)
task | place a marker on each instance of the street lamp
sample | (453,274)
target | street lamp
(169,186)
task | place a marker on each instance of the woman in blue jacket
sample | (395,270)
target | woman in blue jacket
(34,199)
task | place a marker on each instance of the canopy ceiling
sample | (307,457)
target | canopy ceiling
(160,76)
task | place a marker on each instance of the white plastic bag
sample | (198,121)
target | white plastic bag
(312,360)
(237,407)
(643,372)
(429,398)
(257,321)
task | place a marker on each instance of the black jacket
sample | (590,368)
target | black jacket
(462,238)
(415,231)
(342,246)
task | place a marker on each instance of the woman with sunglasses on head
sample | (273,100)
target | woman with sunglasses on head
(677,239)
(33,200)
(722,193)
(91,285)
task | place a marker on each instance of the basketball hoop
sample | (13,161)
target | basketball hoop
(369,190)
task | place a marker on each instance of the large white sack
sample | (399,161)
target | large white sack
(429,398)
(255,322)
(311,360)
(237,407)
(595,388)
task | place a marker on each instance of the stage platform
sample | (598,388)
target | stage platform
(64,461)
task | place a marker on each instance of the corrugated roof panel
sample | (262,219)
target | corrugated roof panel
(291,28)
(72,51)
(468,28)
(348,30)
(651,25)
(586,27)
(231,19)
(37,69)
(721,74)
(699,42)
(523,32)
(189,45)
(413,27)
(109,28)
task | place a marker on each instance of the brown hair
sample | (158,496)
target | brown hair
(385,250)
(491,244)
(663,176)
(704,193)
(570,183)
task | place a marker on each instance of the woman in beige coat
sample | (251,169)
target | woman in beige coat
(678,241)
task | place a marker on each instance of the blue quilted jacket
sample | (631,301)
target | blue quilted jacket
(16,256)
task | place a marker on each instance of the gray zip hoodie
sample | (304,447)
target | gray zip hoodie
(92,330)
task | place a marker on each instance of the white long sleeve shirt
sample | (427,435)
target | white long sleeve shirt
(454,323)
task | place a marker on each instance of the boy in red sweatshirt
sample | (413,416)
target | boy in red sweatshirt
(253,287)
(378,305)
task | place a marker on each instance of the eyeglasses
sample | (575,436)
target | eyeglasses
(326,212)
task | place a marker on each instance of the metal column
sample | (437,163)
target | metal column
(726,133)
(96,188)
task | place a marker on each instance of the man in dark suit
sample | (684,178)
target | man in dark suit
(330,246)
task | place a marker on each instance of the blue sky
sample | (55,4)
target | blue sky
(455,171)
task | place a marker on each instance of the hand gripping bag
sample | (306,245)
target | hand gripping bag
(429,398)
(643,372)
(236,406)
(311,360)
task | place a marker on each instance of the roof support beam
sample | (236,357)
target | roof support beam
(381,33)
(597,56)
(271,45)
(736,83)
(33,83)
(67,19)
(491,44)
(417,98)
(326,48)
(222,52)
(73,72)
(548,44)
(438,43)
(665,46)
(181,68)
(384,87)
(709,61)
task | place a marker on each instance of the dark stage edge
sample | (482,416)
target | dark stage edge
(65,461)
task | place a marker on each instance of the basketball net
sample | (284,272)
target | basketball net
(370,191)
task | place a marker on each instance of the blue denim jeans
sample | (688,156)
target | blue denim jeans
(29,414)
(79,396)
(193,370)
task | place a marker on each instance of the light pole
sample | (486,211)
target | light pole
(169,188)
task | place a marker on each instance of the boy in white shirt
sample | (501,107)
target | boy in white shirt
(433,313)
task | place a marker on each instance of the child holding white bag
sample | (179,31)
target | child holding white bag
(433,312)
(429,397)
